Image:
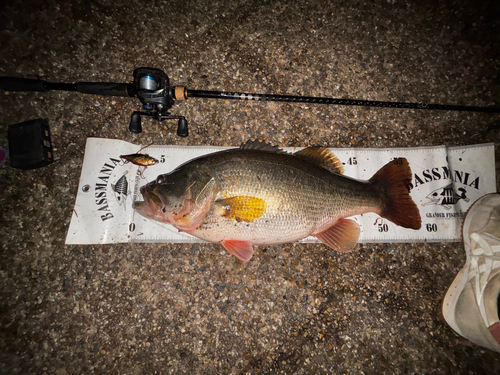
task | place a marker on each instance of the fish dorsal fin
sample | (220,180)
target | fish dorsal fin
(261,146)
(323,157)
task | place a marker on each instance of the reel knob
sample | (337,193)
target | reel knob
(135,123)
(182,127)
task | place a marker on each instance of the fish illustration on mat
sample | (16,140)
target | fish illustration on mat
(121,190)
(259,194)
(446,196)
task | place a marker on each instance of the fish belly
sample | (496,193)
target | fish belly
(267,230)
(289,216)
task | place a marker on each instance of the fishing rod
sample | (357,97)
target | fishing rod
(152,87)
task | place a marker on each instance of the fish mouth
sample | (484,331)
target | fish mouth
(153,199)
(152,206)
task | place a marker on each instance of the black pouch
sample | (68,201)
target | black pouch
(29,144)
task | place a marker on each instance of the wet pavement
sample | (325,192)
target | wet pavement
(294,308)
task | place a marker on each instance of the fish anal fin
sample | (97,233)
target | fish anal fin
(398,206)
(341,236)
(242,250)
(323,157)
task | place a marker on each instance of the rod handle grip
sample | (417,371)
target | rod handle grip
(22,84)
(103,88)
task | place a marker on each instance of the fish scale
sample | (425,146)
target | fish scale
(282,214)
(287,208)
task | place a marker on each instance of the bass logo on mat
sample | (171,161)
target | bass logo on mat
(446,196)
(121,190)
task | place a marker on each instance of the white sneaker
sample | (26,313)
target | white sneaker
(472,303)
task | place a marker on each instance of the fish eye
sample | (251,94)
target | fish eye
(160,179)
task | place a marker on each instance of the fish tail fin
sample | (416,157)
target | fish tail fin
(393,182)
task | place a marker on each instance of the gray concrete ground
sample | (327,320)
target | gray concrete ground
(302,309)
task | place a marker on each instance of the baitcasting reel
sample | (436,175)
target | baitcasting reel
(152,87)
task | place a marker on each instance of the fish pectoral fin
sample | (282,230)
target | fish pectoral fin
(242,250)
(341,236)
(193,218)
(206,190)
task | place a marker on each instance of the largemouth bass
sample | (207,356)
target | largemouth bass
(260,195)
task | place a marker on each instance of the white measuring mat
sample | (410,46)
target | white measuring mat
(446,181)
